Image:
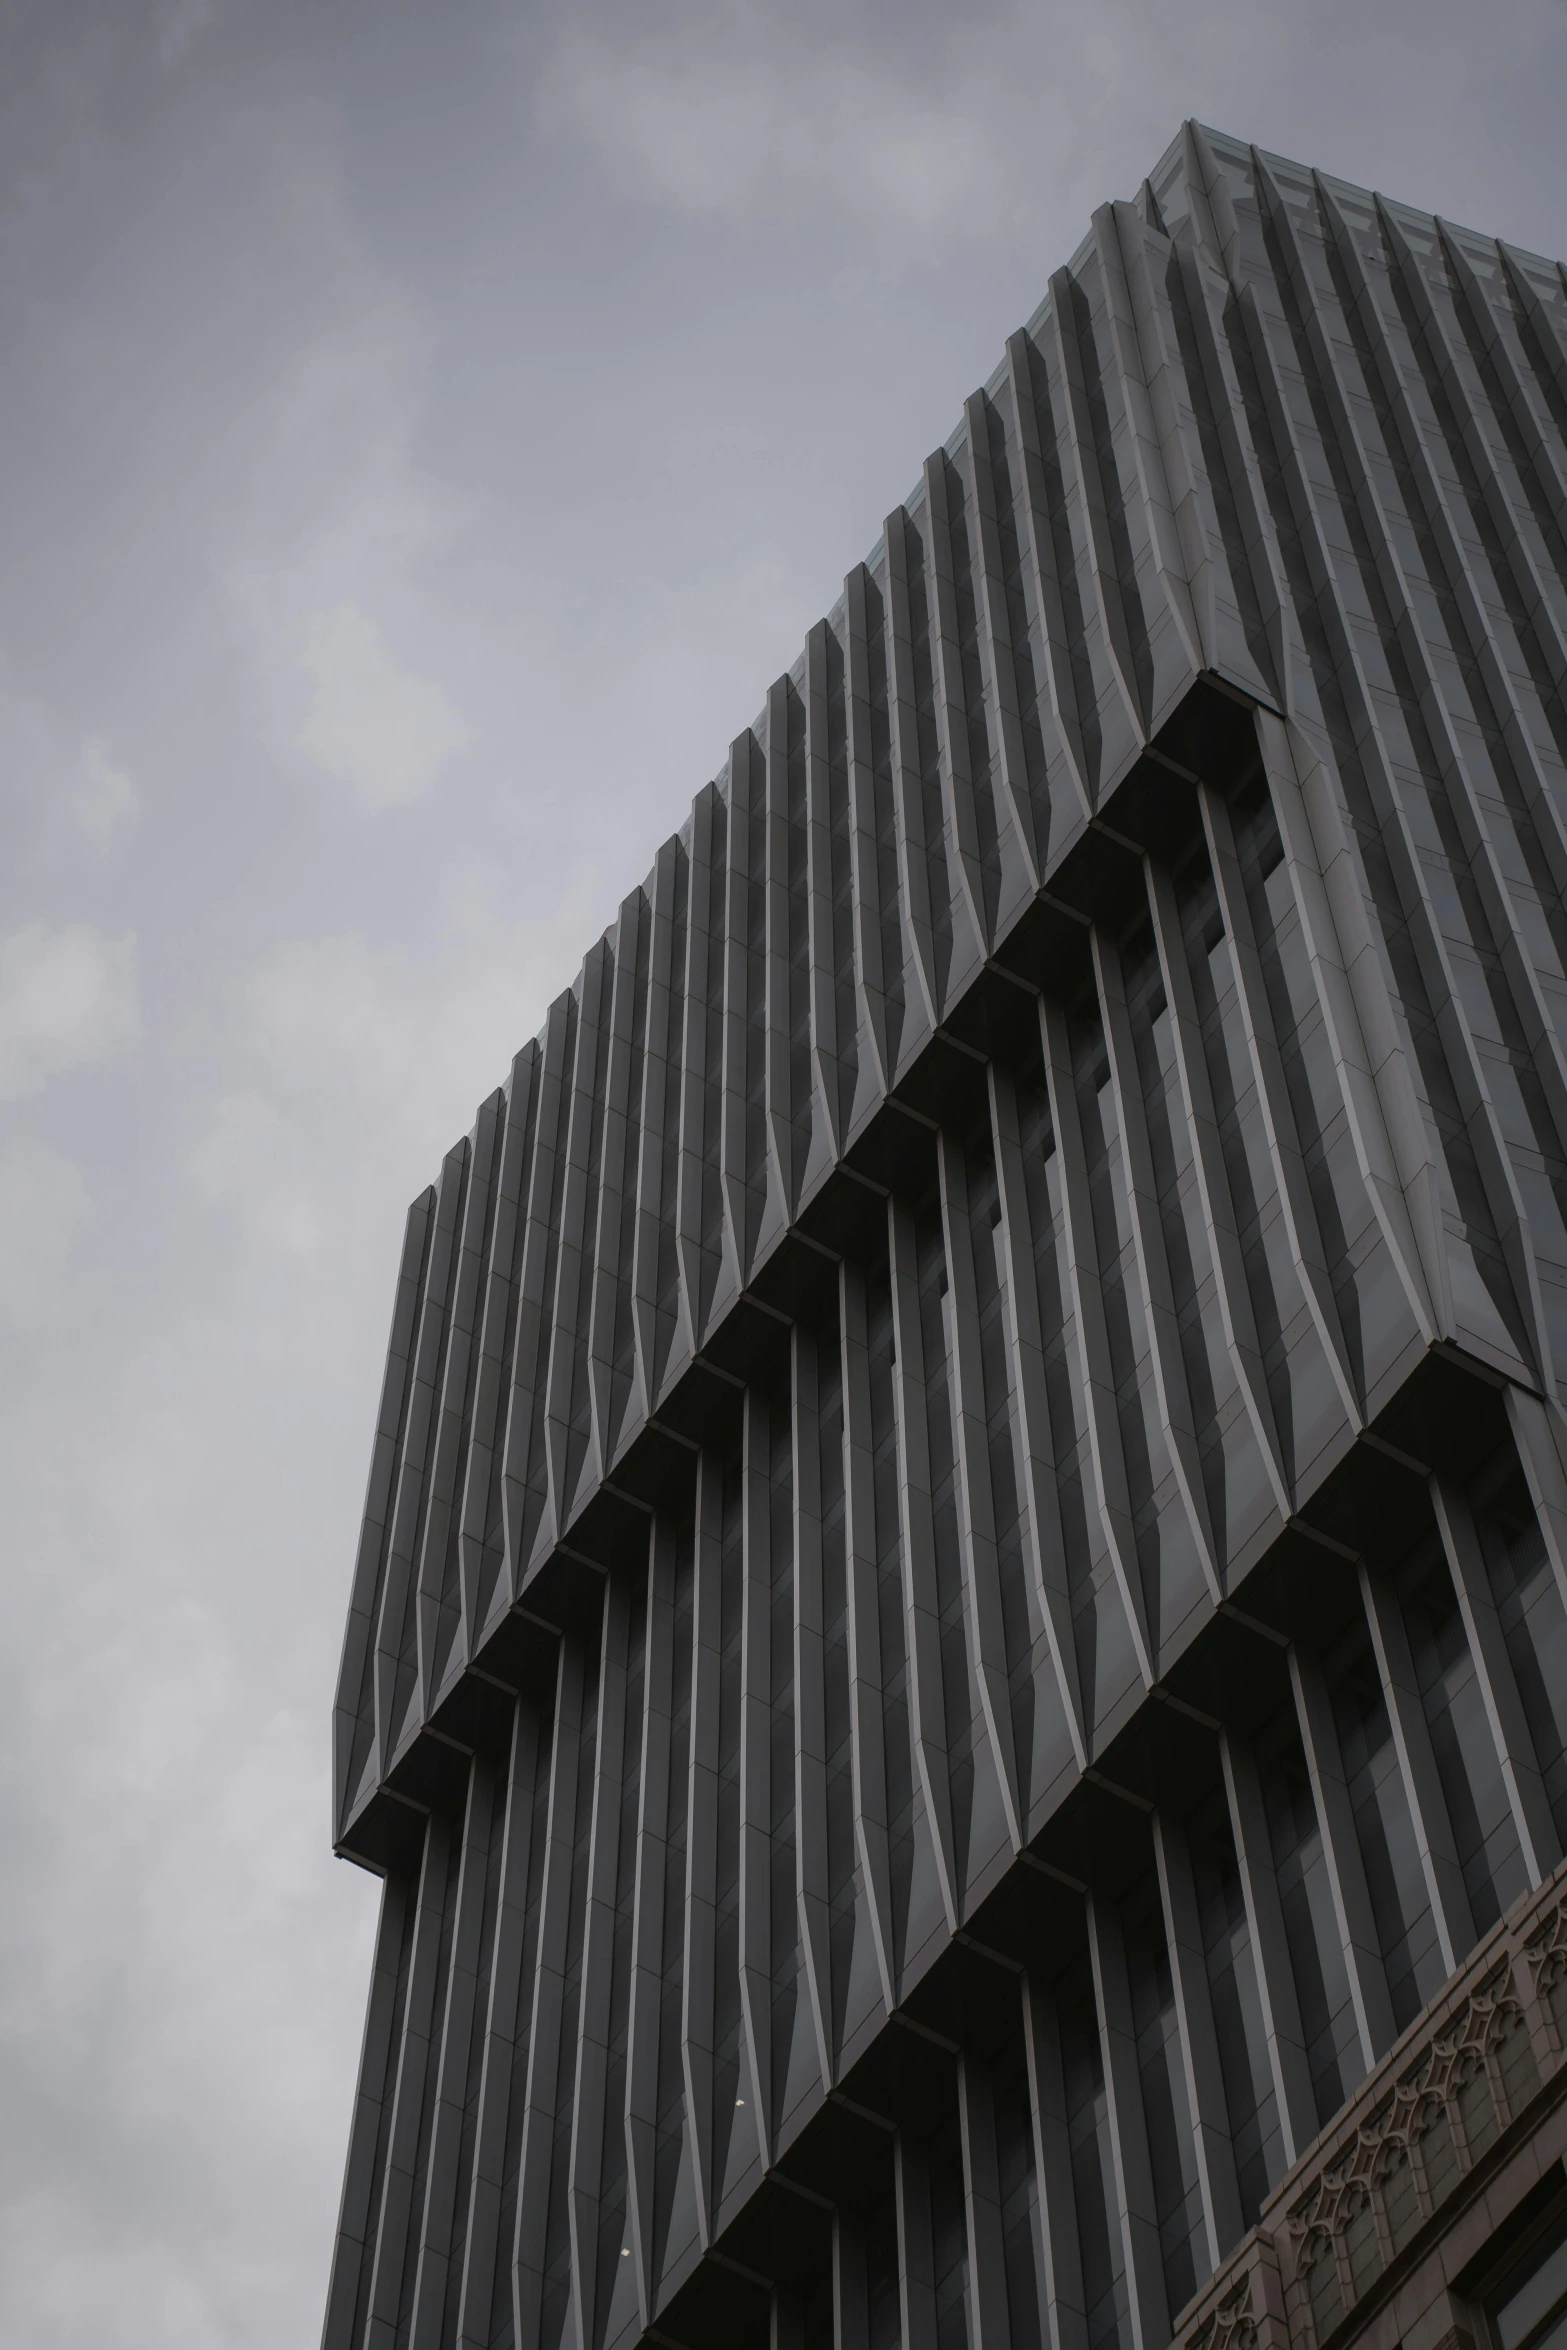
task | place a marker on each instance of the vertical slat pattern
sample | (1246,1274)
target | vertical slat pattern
(1036,1244)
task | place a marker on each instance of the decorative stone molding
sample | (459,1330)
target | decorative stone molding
(1243,2308)
(1439,2110)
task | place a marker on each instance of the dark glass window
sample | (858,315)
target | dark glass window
(1527,2310)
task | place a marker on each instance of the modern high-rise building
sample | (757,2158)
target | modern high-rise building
(958,1664)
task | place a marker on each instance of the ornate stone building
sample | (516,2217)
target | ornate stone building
(958,1664)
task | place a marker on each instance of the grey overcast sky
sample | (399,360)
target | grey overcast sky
(425,428)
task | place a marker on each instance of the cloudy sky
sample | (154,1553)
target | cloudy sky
(425,427)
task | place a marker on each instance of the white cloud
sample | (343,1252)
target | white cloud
(335,1013)
(33,763)
(49,771)
(748,120)
(382,730)
(105,794)
(362,1025)
(67,998)
(355,1065)
(181,26)
(58,2285)
(43,1206)
(256,1165)
(324,562)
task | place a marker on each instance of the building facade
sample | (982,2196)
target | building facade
(958,1663)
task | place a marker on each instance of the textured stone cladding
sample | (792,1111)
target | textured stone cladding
(960,1619)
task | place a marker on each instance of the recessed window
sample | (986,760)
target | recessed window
(1527,2309)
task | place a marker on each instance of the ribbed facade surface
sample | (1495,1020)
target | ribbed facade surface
(959,1636)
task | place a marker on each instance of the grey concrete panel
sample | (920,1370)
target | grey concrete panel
(1057,1173)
